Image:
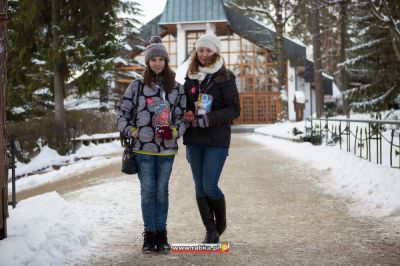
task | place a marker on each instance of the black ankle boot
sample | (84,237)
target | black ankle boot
(211,237)
(207,216)
(149,241)
(162,242)
(219,208)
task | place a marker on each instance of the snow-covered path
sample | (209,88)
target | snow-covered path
(277,215)
(118,218)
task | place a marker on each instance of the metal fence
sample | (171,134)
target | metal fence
(372,140)
(72,143)
(12,149)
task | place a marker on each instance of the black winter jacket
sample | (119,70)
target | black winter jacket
(225,108)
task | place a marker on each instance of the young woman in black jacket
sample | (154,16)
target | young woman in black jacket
(212,105)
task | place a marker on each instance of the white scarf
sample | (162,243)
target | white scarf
(203,71)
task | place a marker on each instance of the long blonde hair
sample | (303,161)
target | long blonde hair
(195,63)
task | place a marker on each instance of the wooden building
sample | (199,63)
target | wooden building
(247,48)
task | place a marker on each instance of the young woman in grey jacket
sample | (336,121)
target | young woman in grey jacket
(159,123)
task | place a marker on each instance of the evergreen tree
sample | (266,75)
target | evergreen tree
(388,14)
(27,70)
(374,71)
(89,37)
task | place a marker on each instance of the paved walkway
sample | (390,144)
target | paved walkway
(276,216)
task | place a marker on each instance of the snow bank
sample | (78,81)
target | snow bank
(44,230)
(375,187)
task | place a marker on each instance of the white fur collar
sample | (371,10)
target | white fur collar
(203,71)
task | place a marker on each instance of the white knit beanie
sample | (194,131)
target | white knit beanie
(209,41)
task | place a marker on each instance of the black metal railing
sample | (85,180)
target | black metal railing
(365,138)
(12,149)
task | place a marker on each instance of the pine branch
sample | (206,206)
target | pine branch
(372,102)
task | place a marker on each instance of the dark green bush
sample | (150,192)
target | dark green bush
(35,133)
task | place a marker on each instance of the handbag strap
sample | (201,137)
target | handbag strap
(140,87)
(177,99)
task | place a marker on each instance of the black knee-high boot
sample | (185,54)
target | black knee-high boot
(207,216)
(219,208)
(162,242)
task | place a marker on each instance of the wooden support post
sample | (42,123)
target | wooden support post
(3,143)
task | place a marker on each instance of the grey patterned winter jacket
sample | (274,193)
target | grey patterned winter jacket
(149,99)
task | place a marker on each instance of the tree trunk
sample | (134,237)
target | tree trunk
(279,27)
(58,81)
(343,76)
(396,43)
(104,97)
(318,82)
(280,57)
(3,143)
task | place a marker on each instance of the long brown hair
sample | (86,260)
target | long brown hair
(168,77)
(195,63)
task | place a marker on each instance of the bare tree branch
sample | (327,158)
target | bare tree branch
(382,12)
(255,10)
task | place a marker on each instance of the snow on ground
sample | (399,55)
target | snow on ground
(101,156)
(63,173)
(49,230)
(48,157)
(90,100)
(44,230)
(117,218)
(283,130)
(375,188)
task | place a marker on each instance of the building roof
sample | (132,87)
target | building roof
(152,28)
(192,11)
(263,36)
(328,83)
(137,42)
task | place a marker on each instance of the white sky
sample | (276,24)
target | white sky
(151,9)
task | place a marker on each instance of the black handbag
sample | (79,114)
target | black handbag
(128,160)
(129,157)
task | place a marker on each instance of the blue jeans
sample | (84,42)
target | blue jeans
(154,173)
(206,162)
